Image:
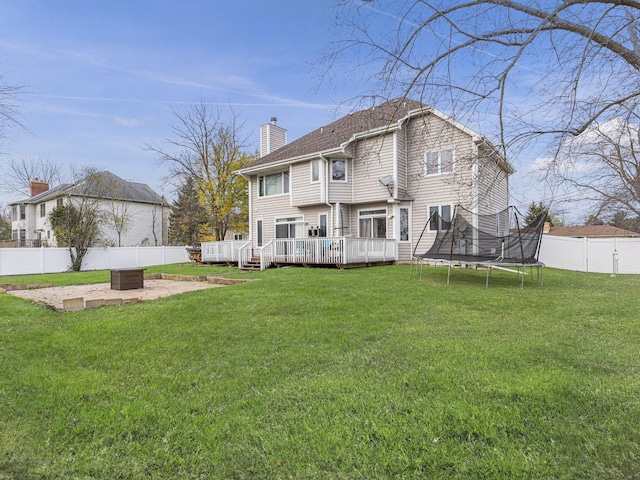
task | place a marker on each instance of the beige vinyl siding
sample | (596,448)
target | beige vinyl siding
(405,250)
(431,134)
(303,191)
(374,160)
(340,191)
(493,187)
(311,218)
(346,227)
(267,209)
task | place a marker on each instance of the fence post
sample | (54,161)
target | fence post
(586,254)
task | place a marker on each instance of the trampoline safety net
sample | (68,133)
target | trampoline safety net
(500,238)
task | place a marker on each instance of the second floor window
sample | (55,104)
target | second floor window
(275,184)
(339,170)
(439,162)
(43,210)
(315,170)
(18,212)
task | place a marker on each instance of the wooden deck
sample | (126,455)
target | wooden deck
(341,252)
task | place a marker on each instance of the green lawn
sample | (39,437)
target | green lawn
(320,373)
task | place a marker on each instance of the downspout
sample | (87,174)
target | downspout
(475,170)
(324,187)
(250,206)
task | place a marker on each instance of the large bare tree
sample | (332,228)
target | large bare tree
(528,70)
(17,173)
(209,148)
(601,165)
(8,107)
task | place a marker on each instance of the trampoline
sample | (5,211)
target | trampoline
(495,241)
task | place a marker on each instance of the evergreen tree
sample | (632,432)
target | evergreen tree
(534,211)
(621,219)
(187,217)
(593,220)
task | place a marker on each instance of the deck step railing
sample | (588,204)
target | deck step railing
(244,254)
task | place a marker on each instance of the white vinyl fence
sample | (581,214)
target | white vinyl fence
(23,261)
(598,255)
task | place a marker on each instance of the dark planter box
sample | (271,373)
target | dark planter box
(127,278)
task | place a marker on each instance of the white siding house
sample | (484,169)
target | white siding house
(144,211)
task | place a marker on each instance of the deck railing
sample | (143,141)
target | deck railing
(329,251)
(220,252)
(244,254)
(304,251)
(24,243)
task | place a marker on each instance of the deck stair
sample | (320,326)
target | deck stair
(252,265)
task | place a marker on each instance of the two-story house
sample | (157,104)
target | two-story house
(132,213)
(362,189)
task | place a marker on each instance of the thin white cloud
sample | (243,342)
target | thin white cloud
(129,122)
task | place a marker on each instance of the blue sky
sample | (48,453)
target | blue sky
(100,78)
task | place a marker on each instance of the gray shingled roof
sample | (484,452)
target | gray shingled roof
(332,136)
(115,187)
(591,231)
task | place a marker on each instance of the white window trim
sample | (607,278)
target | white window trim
(346,171)
(439,207)
(379,214)
(297,220)
(260,233)
(408,209)
(319,164)
(439,152)
(262,195)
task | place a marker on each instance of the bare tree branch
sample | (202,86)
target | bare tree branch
(209,149)
(527,70)
(17,174)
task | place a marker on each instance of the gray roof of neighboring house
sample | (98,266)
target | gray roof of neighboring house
(591,231)
(118,189)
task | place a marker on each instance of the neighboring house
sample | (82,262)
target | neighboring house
(144,211)
(376,174)
(591,231)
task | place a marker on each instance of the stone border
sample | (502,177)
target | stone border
(9,287)
(78,303)
(198,278)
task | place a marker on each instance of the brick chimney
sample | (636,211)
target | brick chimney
(38,186)
(272,137)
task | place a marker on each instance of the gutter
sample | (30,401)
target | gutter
(289,161)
